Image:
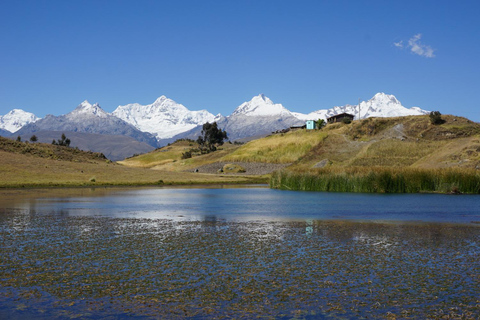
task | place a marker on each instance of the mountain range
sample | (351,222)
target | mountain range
(164,118)
(139,128)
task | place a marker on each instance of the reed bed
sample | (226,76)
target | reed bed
(379,180)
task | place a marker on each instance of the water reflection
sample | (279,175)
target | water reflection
(244,204)
(212,267)
(241,253)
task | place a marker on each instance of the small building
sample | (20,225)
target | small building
(340,117)
(293,128)
(311,124)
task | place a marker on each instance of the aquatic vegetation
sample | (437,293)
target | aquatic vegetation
(381,180)
(63,266)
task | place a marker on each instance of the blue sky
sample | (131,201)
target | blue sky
(214,55)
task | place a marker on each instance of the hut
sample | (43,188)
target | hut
(341,117)
(311,124)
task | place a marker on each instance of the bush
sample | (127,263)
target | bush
(436,117)
(64,141)
(321,123)
(187,154)
(33,138)
(346,120)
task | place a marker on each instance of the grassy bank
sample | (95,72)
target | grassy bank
(379,180)
(25,171)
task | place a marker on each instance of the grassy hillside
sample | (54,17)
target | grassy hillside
(278,148)
(169,158)
(405,154)
(24,164)
(398,142)
(375,142)
(380,151)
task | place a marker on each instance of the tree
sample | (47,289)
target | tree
(320,123)
(211,137)
(436,117)
(64,141)
(34,138)
(19,139)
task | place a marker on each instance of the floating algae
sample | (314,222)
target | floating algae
(56,266)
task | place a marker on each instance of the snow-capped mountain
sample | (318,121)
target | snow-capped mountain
(260,106)
(381,105)
(164,118)
(85,109)
(91,119)
(260,116)
(255,118)
(16,119)
(385,105)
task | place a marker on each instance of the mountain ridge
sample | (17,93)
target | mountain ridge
(165,120)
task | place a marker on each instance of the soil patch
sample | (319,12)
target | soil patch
(251,168)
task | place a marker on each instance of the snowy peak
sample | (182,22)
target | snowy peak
(164,118)
(383,105)
(87,109)
(384,98)
(260,106)
(380,105)
(16,119)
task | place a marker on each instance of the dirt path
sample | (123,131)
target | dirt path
(251,168)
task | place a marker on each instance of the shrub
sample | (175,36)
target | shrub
(436,117)
(321,123)
(187,154)
(346,120)
(64,141)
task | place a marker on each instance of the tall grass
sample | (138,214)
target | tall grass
(278,148)
(379,180)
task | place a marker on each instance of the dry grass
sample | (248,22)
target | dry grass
(395,153)
(399,142)
(371,144)
(19,170)
(160,156)
(278,148)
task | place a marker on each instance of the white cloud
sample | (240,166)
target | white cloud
(416,46)
(398,44)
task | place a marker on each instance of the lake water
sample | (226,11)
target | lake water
(237,252)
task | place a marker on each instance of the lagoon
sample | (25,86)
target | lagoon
(237,252)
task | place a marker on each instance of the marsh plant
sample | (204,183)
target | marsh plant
(379,180)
